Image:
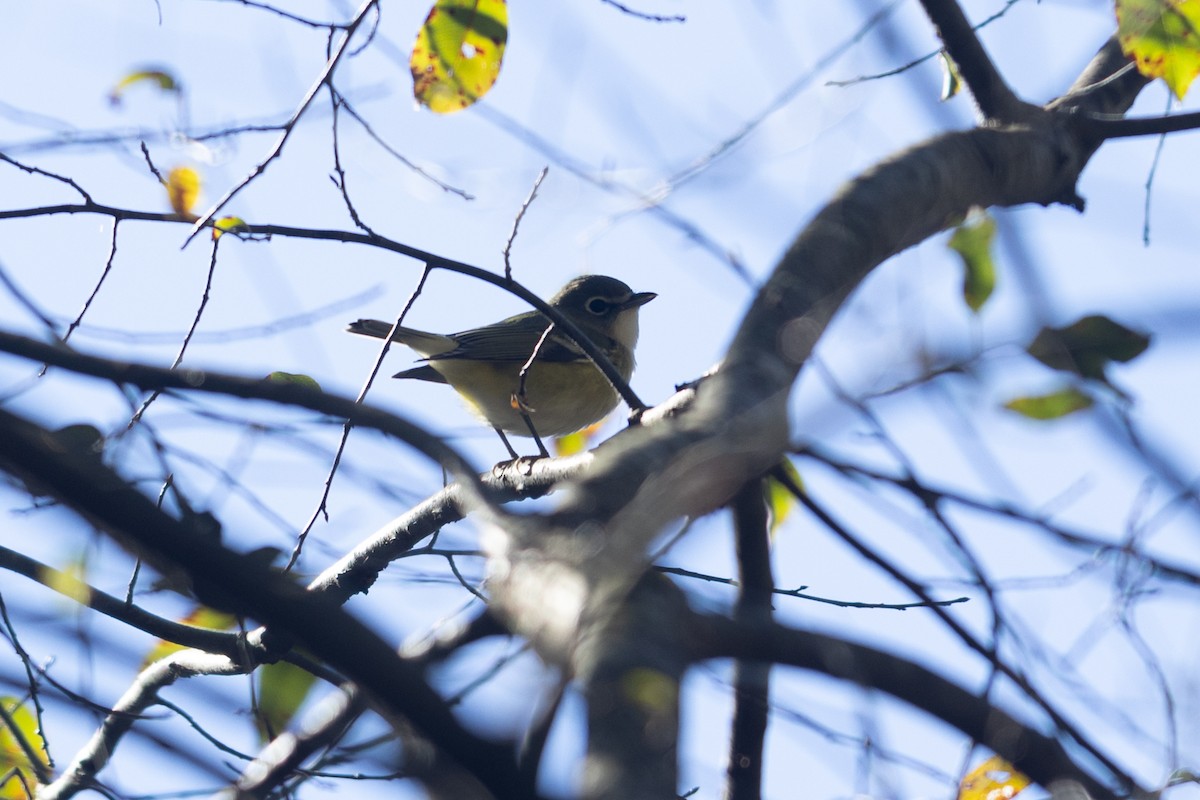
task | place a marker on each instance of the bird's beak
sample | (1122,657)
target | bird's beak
(639,299)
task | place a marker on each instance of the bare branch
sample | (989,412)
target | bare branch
(1041,758)
(326,75)
(225,580)
(141,695)
(996,100)
(751,681)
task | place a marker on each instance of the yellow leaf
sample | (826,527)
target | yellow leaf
(13,756)
(457,56)
(578,441)
(229,225)
(654,691)
(69,582)
(183,190)
(951,78)
(164,80)
(994,779)
(1163,36)
(779,497)
(201,617)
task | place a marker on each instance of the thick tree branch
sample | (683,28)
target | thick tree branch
(224,643)
(591,552)
(995,99)
(196,380)
(751,680)
(631,664)
(226,580)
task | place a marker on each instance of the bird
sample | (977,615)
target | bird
(562,391)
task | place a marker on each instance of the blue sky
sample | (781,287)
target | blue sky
(616,107)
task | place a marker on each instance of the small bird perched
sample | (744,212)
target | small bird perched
(563,390)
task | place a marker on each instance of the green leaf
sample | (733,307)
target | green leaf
(1163,37)
(294,378)
(973,242)
(1086,347)
(458,53)
(282,689)
(17,743)
(1051,406)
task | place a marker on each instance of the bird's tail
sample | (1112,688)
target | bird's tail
(427,344)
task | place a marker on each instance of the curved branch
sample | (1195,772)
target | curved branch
(226,580)
(431,260)
(158,378)
(995,99)
(207,639)
(141,695)
(1040,757)
(591,552)
(326,76)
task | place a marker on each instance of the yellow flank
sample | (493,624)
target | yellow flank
(489,388)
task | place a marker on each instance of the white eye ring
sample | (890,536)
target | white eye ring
(597,305)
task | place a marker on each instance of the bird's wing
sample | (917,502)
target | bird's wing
(514,339)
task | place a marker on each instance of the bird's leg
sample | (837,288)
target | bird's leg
(526,462)
(533,432)
(504,439)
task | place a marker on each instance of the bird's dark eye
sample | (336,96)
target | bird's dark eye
(597,305)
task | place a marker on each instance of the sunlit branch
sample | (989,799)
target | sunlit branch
(141,695)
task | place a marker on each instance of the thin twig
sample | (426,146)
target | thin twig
(993,95)
(366,126)
(326,75)
(187,337)
(91,298)
(321,509)
(643,15)
(31,676)
(517,222)
(87,198)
